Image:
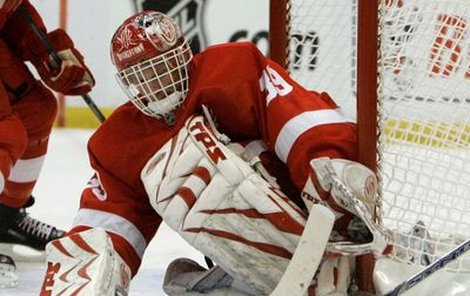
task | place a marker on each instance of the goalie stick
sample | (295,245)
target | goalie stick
(308,254)
(429,270)
(56,60)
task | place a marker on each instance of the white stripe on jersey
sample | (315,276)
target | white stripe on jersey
(112,223)
(26,170)
(2,182)
(298,125)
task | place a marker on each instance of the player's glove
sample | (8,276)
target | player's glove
(72,77)
(6,8)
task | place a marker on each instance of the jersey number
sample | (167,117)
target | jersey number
(95,185)
(274,84)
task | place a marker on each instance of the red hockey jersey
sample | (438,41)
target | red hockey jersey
(251,98)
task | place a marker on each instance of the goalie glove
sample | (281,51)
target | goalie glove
(72,76)
(350,190)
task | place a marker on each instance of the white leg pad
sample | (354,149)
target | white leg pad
(85,263)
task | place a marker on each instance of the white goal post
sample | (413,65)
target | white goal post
(401,70)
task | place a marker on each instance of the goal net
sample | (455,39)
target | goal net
(411,86)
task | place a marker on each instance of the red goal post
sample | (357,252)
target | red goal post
(401,70)
(367,52)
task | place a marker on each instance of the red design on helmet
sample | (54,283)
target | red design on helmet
(142,36)
(153,59)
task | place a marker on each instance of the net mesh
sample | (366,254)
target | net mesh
(424,107)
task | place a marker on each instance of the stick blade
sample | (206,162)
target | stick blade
(308,254)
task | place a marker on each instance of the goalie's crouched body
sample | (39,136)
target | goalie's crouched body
(259,235)
(222,196)
(239,219)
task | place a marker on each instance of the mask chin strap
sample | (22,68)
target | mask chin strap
(163,108)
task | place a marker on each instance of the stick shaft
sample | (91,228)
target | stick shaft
(431,269)
(56,60)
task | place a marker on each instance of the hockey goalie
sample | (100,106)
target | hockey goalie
(246,165)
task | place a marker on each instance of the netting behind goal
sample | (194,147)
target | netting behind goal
(422,89)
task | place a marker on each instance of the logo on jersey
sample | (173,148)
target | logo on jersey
(95,185)
(188,14)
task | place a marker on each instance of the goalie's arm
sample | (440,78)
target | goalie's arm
(303,125)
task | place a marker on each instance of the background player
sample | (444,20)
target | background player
(27,112)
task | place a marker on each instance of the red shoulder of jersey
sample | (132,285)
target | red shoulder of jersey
(252,97)
(125,142)
(225,78)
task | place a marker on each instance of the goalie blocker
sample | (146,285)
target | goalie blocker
(218,203)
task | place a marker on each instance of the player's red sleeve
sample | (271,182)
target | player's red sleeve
(252,97)
(7,8)
(18,33)
(301,125)
(13,137)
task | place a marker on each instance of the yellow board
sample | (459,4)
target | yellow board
(81,117)
(432,134)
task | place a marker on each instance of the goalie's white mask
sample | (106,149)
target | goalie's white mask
(152,58)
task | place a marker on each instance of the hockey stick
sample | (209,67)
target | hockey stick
(56,60)
(429,270)
(308,254)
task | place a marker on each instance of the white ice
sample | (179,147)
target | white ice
(65,173)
